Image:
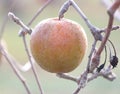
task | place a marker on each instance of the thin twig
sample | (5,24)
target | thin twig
(25,29)
(113,28)
(106,73)
(18,65)
(85,74)
(31,62)
(111,12)
(26,67)
(8,58)
(68,77)
(83,78)
(94,30)
(39,11)
(22,33)
(100,49)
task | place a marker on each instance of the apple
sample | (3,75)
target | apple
(58,46)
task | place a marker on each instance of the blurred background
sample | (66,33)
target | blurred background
(25,10)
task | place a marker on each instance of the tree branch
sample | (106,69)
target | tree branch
(111,12)
(68,77)
(31,62)
(39,11)
(22,33)
(8,58)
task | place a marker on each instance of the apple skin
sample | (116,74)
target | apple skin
(58,46)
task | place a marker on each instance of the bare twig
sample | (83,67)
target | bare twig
(68,77)
(110,23)
(83,78)
(25,67)
(22,33)
(39,11)
(111,12)
(113,28)
(31,62)
(22,68)
(94,30)
(25,29)
(6,54)
(106,73)
(8,58)
(82,81)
